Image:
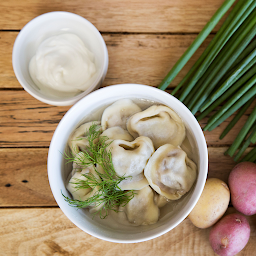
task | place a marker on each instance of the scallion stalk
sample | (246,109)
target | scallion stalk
(253,139)
(229,30)
(236,118)
(195,45)
(244,54)
(224,64)
(249,155)
(233,104)
(244,66)
(242,134)
(245,145)
(252,158)
(234,13)
(228,93)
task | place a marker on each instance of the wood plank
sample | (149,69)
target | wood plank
(26,122)
(141,59)
(117,15)
(49,232)
(24,180)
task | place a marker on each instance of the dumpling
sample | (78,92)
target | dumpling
(130,159)
(78,140)
(170,172)
(73,183)
(160,123)
(118,113)
(83,194)
(117,133)
(142,210)
(160,200)
(134,183)
(78,163)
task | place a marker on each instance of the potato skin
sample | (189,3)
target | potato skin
(212,204)
(230,235)
(242,183)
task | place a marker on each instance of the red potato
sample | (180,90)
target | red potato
(242,184)
(230,235)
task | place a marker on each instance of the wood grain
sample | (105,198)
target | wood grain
(49,232)
(117,15)
(27,122)
(24,180)
(141,59)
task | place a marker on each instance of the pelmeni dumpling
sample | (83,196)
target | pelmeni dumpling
(72,186)
(83,194)
(170,172)
(160,200)
(117,133)
(118,113)
(78,140)
(130,159)
(142,210)
(160,123)
(134,183)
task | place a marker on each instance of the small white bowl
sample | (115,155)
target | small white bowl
(58,171)
(51,24)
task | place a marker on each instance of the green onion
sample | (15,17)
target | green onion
(231,28)
(218,36)
(200,86)
(236,118)
(253,139)
(252,158)
(228,93)
(230,56)
(249,155)
(233,104)
(240,70)
(242,134)
(245,53)
(195,45)
(245,145)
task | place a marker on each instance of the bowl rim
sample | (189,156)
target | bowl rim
(41,97)
(203,160)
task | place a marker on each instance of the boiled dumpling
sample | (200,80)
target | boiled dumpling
(170,172)
(136,182)
(141,210)
(97,206)
(130,159)
(160,123)
(78,140)
(118,113)
(117,133)
(73,183)
(78,164)
(83,194)
(160,200)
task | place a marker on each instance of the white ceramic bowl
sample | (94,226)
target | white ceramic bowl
(58,171)
(45,26)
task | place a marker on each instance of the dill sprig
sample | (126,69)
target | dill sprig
(105,190)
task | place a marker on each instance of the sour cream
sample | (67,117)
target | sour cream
(62,63)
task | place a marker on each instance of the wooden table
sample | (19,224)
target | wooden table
(144,39)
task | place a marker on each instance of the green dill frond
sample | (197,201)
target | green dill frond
(108,193)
